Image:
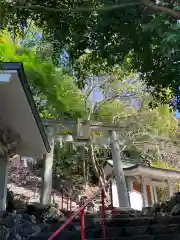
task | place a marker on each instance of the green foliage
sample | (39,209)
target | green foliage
(147,35)
(163,165)
(34,39)
(144,133)
(108,110)
(55,92)
(30,38)
(148,133)
(67,164)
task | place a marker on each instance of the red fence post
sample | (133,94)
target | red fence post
(82,225)
(81,212)
(103,214)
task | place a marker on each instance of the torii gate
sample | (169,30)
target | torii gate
(81,132)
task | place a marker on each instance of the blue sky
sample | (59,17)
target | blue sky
(177,114)
(97,96)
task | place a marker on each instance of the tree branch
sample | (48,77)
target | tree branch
(92,87)
(78,9)
(173,13)
(25,34)
(118,96)
(147,3)
(156,8)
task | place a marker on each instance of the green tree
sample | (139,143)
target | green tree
(144,133)
(55,92)
(67,166)
(145,31)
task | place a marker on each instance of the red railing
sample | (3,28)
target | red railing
(81,211)
(65,206)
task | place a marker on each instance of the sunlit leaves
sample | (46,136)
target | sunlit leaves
(67,165)
(109,110)
(62,98)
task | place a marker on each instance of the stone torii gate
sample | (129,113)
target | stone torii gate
(82,133)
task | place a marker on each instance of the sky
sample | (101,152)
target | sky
(97,96)
(177,114)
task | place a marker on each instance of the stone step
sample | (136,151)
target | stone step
(135,227)
(119,233)
(131,221)
(141,221)
(67,235)
(145,237)
(133,231)
(119,228)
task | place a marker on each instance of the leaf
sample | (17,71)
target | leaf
(177,8)
(58,90)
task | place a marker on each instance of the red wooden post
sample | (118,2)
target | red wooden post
(82,225)
(62,199)
(103,214)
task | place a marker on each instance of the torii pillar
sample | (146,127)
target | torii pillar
(118,170)
(3,180)
(46,188)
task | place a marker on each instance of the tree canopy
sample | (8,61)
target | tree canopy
(54,91)
(143,133)
(149,131)
(145,32)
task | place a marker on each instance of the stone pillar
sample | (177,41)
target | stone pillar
(118,170)
(130,188)
(82,155)
(170,188)
(152,194)
(3,181)
(46,188)
(144,194)
(129,184)
(155,194)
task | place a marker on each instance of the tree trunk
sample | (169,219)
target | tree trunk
(95,168)
(87,168)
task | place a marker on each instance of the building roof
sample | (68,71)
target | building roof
(124,164)
(131,169)
(18,111)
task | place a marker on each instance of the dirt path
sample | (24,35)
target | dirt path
(34,196)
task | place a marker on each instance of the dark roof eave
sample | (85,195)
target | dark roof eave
(18,66)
